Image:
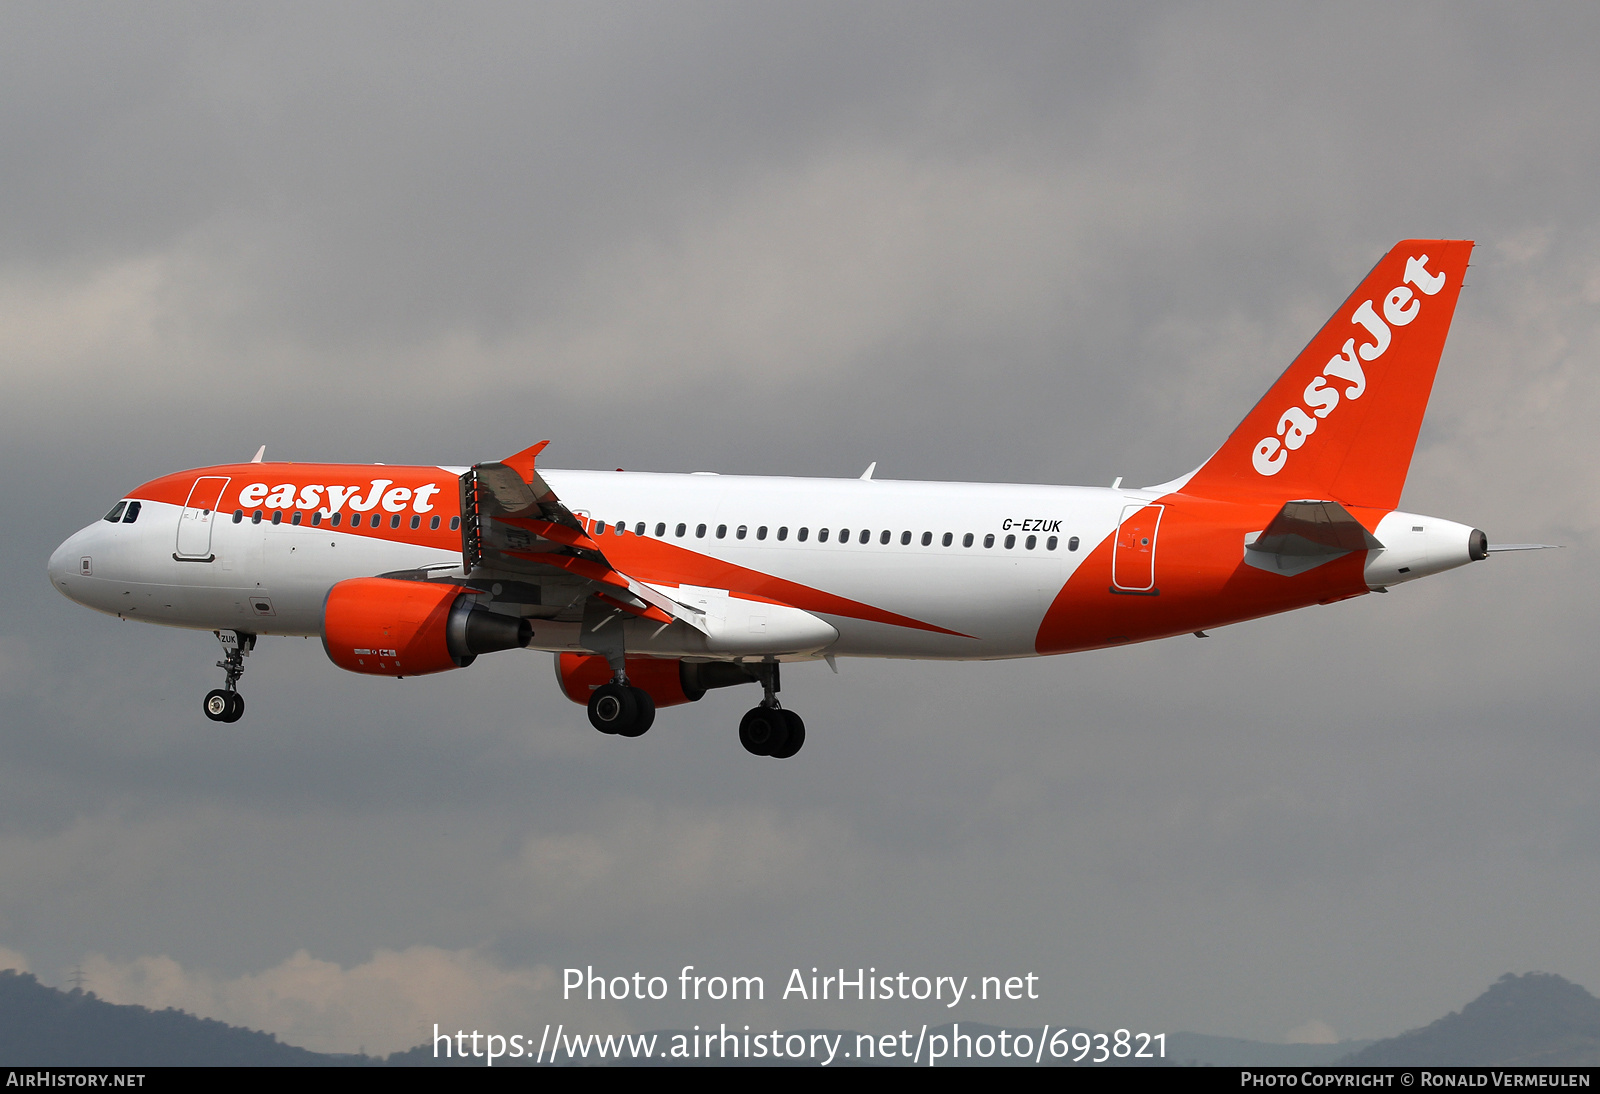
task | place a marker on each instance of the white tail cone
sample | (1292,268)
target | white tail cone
(1416,546)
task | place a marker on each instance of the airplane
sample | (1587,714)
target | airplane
(653,589)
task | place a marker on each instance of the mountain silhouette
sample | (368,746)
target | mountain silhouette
(43,1027)
(1534,1020)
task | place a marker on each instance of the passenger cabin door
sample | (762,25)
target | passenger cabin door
(199,513)
(1133,561)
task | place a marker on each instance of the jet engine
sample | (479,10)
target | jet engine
(381,626)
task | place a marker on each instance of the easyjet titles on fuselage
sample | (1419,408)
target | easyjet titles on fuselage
(379,492)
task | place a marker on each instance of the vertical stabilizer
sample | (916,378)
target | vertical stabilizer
(1341,423)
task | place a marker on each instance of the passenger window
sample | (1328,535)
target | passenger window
(455,522)
(255,518)
(866,535)
(1011,541)
(822,535)
(337,517)
(661,530)
(761,532)
(1031,542)
(966,540)
(783,533)
(700,531)
(883,537)
(433,524)
(844,535)
(620,527)
(132,514)
(1072,544)
(238,515)
(116,512)
(742,532)
(802,534)
(416,522)
(680,530)
(599,527)
(394,521)
(316,519)
(277,518)
(1050,544)
(295,520)
(722,531)
(988,540)
(927,538)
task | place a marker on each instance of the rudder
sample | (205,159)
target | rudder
(1341,423)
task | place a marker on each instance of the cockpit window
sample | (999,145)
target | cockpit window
(116,513)
(132,514)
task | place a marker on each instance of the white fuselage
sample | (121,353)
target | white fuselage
(991,591)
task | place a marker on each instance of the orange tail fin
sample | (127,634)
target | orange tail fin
(1341,423)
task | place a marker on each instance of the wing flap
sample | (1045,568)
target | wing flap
(513,522)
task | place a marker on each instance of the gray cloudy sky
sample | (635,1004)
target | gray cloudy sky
(987,242)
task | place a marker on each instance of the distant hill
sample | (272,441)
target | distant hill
(1535,1020)
(43,1027)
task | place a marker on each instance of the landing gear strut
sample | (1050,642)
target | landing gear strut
(226,704)
(770,730)
(620,708)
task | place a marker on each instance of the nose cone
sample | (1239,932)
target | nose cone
(65,564)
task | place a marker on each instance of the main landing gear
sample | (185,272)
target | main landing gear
(226,704)
(621,708)
(770,730)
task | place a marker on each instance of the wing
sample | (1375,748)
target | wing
(514,527)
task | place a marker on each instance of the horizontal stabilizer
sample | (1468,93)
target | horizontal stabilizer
(1304,535)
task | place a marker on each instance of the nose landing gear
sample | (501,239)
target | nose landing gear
(226,704)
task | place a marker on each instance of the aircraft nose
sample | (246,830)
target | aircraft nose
(64,564)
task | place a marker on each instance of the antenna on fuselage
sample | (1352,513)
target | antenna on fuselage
(260,452)
(866,476)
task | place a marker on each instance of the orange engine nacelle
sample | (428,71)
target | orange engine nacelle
(381,626)
(668,682)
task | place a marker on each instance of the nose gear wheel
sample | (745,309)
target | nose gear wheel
(225,704)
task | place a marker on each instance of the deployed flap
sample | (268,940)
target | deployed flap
(1304,535)
(512,522)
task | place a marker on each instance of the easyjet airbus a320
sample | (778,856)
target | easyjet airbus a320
(651,589)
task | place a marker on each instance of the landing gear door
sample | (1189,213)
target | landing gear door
(1133,561)
(199,513)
